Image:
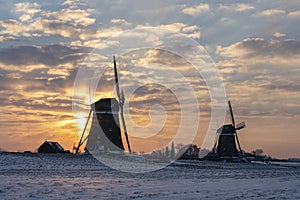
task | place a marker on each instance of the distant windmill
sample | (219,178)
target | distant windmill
(225,145)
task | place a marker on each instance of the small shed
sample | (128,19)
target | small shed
(50,147)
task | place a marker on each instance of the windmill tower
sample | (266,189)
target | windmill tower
(225,145)
(105,132)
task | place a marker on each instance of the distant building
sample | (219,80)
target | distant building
(51,147)
(192,152)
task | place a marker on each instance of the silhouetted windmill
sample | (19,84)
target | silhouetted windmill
(105,133)
(225,145)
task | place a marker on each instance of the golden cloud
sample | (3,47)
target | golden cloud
(197,10)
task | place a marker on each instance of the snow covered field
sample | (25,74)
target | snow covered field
(36,176)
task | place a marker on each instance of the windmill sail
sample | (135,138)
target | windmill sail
(81,141)
(231,114)
(121,103)
(240,126)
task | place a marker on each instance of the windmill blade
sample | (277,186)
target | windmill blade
(83,141)
(240,126)
(81,138)
(237,139)
(122,98)
(231,114)
(116,78)
(121,103)
(215,145)
(125,129)
(90,96)
(74,148)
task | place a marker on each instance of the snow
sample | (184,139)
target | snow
(38,176)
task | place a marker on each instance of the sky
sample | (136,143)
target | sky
(44,44)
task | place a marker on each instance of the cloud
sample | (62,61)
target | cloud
(294,14)
(278,35)
(259,50)
(10,27)
(194,11)
(120,22)
(36,56)
(291,87)
(74,3)
(271,12)
(7,38)
(76,17)
(262,74)
(34,22)
(28,8)
(236,7)
(38,97)
(185,29)
(192,31)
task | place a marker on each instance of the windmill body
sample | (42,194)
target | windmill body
(105,133)
(226,141)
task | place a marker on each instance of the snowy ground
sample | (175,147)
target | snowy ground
(35,176)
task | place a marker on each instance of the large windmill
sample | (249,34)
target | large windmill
(227,137)
(105,132)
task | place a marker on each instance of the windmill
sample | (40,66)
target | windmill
(227,137)
(105,130)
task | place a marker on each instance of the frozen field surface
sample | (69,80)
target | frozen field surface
(36,176)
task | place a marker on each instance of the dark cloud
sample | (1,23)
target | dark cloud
(271,48)
(50,55)
(257,61)
(287,87)
(261,48)
(151,94)
(38,90)
(43,106)
(52,90)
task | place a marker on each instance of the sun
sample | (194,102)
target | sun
(81,120)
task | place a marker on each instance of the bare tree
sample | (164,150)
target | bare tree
(172,153)
(258,152)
